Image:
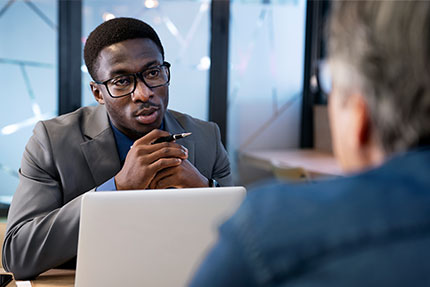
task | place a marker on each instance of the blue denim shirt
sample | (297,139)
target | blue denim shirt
(371,229)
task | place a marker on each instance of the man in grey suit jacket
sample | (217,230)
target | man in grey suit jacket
(107,147)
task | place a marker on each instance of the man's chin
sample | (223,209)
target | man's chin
(142,129)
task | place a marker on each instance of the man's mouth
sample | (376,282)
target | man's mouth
(147,116)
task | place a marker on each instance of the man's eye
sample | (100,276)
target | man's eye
(153,73)
(125,81)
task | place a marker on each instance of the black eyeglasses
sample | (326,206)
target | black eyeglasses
(124,85)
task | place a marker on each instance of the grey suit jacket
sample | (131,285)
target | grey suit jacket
(68,156)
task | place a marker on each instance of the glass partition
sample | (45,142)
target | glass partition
(183,27)
(267,44)
(28,79)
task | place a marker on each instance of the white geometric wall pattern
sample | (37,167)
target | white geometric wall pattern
(28,79)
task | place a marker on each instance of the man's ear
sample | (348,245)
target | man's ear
(97,93)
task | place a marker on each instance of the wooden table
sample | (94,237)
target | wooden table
(51,278)
(312,161)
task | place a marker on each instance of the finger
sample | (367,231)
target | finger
(167,152)
(164,163)
(144,149)
(168,144)
(151,136)
(147,158)
(162,174)
(168,182)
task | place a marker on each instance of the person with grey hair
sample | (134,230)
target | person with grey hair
(371,227)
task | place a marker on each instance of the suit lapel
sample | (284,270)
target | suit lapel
(100,148)
(174,127)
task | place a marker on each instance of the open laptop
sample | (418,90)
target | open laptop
(149,237)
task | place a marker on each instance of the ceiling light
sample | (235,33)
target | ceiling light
(108,16)
(151,4)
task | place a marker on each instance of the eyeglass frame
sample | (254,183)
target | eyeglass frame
(136,76)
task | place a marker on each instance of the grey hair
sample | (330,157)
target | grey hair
(383,49)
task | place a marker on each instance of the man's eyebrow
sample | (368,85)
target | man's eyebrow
(122,71)
(118,72)
(149,64)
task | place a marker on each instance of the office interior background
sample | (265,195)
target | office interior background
(248,65)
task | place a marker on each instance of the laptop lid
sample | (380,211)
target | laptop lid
(149,237)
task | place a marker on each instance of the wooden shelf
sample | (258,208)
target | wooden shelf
(312,161)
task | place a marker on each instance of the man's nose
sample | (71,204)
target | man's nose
(142,92)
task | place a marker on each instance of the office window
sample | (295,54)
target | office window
(267,43)
(28,79)
(183,27)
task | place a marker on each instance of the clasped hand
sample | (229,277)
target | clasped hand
(156,166)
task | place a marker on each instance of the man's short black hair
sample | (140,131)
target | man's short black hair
(112,32)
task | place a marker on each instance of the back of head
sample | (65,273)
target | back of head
(112,32)
(382,48)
